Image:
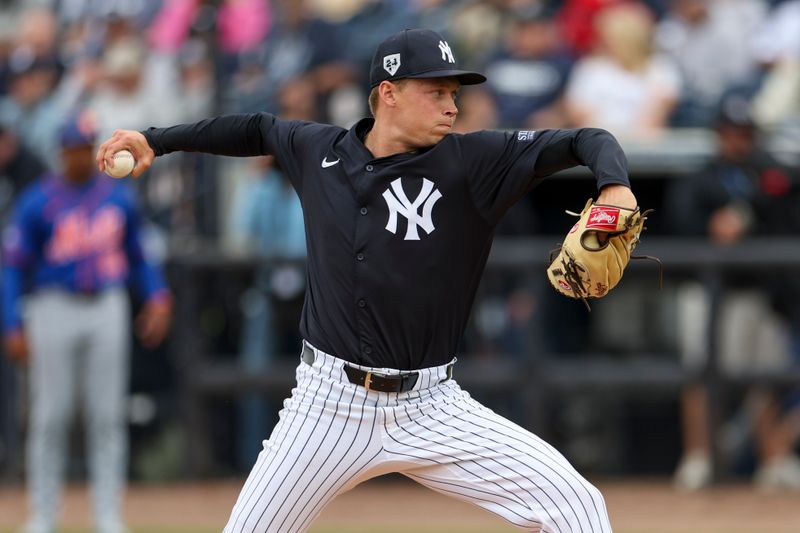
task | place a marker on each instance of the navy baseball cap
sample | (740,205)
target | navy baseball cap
(417,54)
(79,129)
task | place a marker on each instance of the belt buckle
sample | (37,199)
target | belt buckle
(368,380)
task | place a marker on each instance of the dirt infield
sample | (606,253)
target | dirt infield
(395,505)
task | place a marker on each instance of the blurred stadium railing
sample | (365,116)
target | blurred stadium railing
(527,389)
(534,385)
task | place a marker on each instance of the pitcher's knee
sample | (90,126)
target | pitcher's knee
(538,526)
(599,501)
(580,509)
(591,515)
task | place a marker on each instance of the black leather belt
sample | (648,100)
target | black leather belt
(381,382)
(375,380)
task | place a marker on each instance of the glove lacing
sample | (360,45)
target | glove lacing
(572,276)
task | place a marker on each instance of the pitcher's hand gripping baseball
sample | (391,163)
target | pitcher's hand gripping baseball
(133,141)
(591,260)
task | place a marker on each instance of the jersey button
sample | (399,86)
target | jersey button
(369,168)
(364,210)
(362,303)
(360,257)
(367,349)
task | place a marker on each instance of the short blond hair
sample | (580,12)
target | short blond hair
(375,95)
(373,100)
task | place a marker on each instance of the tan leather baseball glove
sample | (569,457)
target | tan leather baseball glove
(593,256)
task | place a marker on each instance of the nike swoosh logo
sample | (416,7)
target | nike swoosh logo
(326,163)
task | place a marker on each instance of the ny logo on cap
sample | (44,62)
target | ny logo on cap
(447,54)
(391,63)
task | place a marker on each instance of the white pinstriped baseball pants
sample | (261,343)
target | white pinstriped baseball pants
(332,435)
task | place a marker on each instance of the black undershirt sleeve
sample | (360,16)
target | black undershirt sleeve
(232,135)
(592,147)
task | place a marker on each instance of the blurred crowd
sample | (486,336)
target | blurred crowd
(632,66)
(639,68)
(635,67)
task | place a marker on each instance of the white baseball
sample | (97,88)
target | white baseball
(123,164)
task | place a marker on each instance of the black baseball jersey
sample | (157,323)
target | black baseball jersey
(397,245)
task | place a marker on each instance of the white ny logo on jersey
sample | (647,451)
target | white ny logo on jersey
(447,54)
(399,203)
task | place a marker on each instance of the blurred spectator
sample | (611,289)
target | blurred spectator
(132,93)
(31,108)
(693,34)
(74,242)
(475,28)
(527,75)
(340,11)
(196,80)
(137,89)
(743,191)
(307,46)
(624,86)
(778,48)
(72,11)
(577,19)
(37,32)
(235,28)
(19,166)
(296,98)
(367,24)
(299,45)
(479,27)
(477,110)
(248,91)
(437,14)
(243,24)
(267,218)
(172,26)
(267,215)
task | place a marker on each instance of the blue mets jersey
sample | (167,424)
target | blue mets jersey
(79,238)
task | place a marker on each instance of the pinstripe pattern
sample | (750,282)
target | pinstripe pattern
(333,435)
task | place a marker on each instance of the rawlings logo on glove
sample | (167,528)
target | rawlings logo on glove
(592,258)
(603,218)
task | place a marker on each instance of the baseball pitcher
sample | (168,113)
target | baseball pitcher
(400,214)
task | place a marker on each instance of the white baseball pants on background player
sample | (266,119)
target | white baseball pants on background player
(80,349)
(333,434)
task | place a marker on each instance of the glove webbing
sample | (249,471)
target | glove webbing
(650,257)
(572,269)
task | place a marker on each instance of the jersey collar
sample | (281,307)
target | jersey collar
(353,147)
